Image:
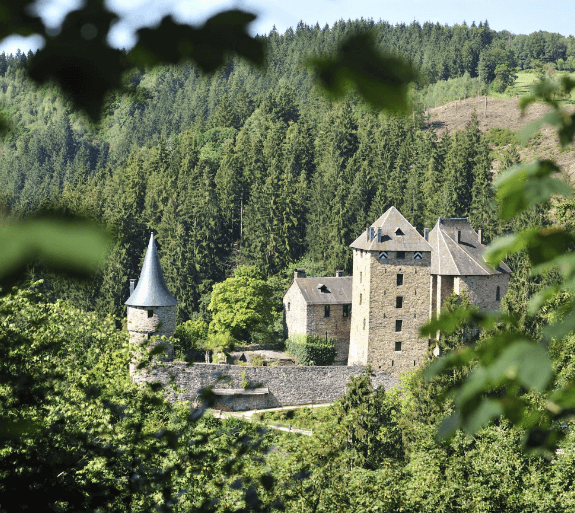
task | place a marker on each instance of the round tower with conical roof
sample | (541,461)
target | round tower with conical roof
(151,306)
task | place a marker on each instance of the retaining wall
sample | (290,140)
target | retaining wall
(288,386)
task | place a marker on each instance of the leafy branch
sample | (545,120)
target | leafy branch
(511,373)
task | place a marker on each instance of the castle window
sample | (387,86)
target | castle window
(360,298)
(150,313)
(399,302)
(417,255)
(346,310)
(398,325)
(398,347)
(400,279)
(326,310)
(400,255)
(498,293)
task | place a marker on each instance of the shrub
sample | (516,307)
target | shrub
(311,349)
(191,334)
(257,361)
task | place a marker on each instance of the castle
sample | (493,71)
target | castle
(400,280)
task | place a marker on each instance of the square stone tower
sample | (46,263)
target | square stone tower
(390,296)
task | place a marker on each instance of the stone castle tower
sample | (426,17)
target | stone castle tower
(151,306)
(401,280)
(391,295)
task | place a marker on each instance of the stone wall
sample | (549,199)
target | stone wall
(335,326)
(147,323)
(295,312)
(287,386)
(359,332)
(482,290)
(392,348)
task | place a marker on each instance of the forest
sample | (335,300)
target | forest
(259,168)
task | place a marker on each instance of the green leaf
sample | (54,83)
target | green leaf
(380,78)
(79,59)
(449,426)
(15,18)
(526,185)
(525,361)
(70,246)
(486,411)
(208,46)
(507,245)
(561,329)
(448,322)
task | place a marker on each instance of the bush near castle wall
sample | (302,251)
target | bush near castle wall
(311,349)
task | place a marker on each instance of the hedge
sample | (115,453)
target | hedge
(311,349)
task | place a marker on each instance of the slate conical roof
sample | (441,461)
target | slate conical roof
(151,289)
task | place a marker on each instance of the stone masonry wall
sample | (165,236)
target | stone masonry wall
(287,386)
(384,354)
(295,312)
(359,332)
(143,328)
(335,326)
(482,289)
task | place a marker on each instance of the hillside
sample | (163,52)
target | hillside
(502,113)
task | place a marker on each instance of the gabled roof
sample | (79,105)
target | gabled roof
(335,291)
(151,289)
(386,235)
(457,250)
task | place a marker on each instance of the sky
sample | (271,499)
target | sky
(517,16)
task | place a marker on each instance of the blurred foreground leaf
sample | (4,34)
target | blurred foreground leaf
(380,78)
(208,46)
(74,247)
(526,185)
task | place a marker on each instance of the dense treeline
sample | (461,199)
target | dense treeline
(247,167)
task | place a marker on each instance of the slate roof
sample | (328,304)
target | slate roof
(151,289)
(386,237)
(336,291)
(459,258)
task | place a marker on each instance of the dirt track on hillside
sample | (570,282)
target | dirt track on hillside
(504,113)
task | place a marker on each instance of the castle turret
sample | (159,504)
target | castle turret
(151,306)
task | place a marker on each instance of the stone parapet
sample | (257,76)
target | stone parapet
(287,386)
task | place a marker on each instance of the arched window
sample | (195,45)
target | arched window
(498,293)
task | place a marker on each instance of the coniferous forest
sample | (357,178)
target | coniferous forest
(259,168)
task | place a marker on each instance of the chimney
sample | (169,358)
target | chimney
(339,274)
(299,273)
(379,235)
(367,232)
(480,235)
(132,286)
(458,236)
(371,233)
(426,233)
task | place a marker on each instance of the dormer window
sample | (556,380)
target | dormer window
(398,232)
(322,288)
(383,255)
(417,255)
